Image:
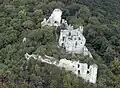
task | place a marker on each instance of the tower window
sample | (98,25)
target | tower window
(78,71)
(76,43)
(63,38)
(78,65)
(88,72)
(62,44)
(55,21)
(88,66)
(69,34)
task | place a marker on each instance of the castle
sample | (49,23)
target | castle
(73,41)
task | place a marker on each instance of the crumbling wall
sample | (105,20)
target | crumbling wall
(73,41)
(54,19)
(88,73)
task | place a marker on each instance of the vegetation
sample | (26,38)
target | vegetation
(22,18)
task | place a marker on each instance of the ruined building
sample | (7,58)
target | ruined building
(73,41)
(54,19)
(88,73)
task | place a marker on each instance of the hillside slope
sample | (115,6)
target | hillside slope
(22,19)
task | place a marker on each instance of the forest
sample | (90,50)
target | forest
(22,19)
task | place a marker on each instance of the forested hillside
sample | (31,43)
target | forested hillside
(22,19)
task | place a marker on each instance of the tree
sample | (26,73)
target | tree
(53,84)
(76,22)
(73,8)
(84,12)
(115,66)
(94,20)
(22,13)
(28,24)
(38,12)
(70,81)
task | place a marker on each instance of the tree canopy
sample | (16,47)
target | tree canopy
(22,19)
